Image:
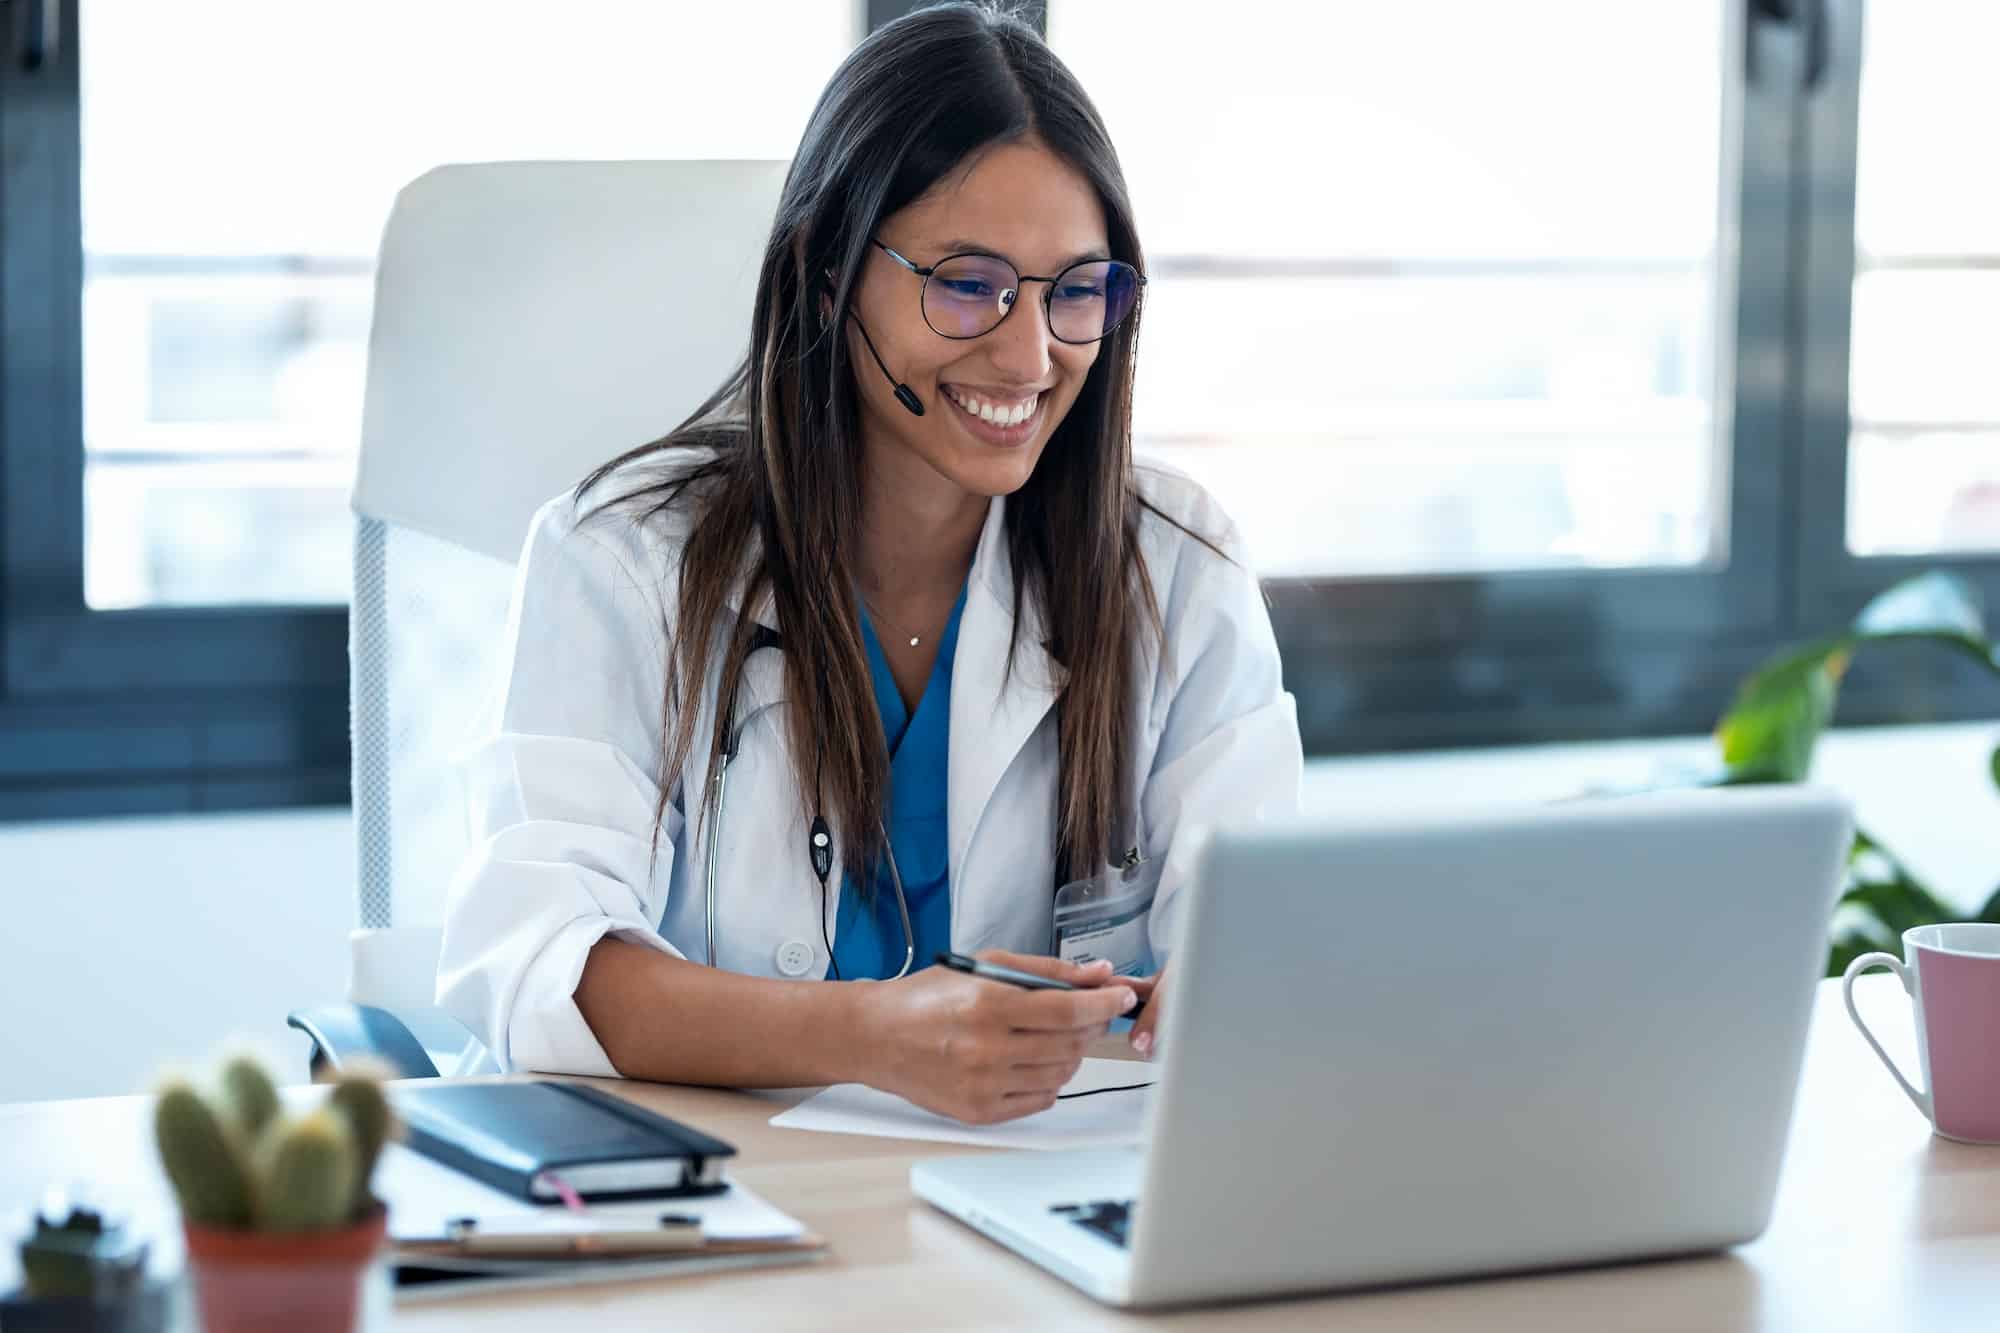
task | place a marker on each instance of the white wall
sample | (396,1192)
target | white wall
(133,943)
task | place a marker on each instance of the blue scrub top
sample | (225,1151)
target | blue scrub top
(868,936)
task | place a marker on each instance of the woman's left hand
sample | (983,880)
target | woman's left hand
(1153,996)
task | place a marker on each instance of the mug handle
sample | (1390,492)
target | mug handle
(1920,1100)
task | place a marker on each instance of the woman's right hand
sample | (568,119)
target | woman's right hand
(984,1051)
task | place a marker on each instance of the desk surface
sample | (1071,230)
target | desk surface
(1878,1225)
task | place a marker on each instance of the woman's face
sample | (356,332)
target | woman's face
(1023,203)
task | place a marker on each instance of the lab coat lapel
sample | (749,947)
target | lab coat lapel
(993,714)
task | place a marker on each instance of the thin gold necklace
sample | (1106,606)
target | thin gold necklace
(915,639)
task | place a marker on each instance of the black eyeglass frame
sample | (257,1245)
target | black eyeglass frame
(924,271)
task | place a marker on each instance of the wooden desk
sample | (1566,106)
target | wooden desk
(1879,1226)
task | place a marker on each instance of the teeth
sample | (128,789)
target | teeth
(999,416)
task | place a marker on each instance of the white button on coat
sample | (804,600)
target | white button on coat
(561,774)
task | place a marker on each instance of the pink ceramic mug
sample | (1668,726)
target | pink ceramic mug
(1952,973)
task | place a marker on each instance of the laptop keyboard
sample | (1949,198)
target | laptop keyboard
(1109,1218)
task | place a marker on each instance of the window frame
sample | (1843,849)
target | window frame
(1835,582)
(181,709)
(147,710)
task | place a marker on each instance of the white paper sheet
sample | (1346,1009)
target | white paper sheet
(423,1195)
(1105,1120)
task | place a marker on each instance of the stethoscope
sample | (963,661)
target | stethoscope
(820,837)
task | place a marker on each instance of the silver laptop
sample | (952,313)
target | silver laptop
(1450,1045)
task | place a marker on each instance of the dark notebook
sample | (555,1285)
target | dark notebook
(601,1146)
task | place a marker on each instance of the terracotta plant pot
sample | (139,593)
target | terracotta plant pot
(302,1282)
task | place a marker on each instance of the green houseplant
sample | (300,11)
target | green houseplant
(1780,711)
(277,1206)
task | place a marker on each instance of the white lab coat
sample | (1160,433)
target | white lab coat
(560,778)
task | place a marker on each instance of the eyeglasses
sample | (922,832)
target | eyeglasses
(966,295)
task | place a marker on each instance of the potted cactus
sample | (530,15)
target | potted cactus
(280,1219)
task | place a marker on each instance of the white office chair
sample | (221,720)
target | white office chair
(532,320)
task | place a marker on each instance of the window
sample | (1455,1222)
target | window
(1430,292)
(1898,413)
(228,255)
(191,205)
(1499,269)
(1562,359)
(1508,332)
(1924,401)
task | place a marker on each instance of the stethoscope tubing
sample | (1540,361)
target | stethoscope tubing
(734,737)
(714,838)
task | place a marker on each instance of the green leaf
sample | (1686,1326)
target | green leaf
(1884,900)
(1994,764)
(1991,911)
(1851,944)
(1897,892)
(1898,905)
(1942,607)
(1934,603)
(1769,733)
(1864,846)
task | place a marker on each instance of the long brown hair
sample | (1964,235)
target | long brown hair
(770,464)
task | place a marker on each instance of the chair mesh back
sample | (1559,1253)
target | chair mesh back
(427,628)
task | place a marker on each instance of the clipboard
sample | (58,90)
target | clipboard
(524,1250)
(421,1279)
(560,1236)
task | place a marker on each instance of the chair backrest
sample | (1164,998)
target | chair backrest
(532,320)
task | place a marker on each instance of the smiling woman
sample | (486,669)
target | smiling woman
(679,836)
(971,291)
(1011,379)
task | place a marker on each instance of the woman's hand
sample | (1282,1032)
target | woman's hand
(984,1051)
(1153,991)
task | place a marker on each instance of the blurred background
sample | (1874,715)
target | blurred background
(1436,288)
(1561,359)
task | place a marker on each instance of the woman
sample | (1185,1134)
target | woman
(1003,658)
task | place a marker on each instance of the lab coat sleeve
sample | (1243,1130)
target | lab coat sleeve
(560,801)
(1229,747)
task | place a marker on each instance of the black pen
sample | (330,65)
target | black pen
(1013,976)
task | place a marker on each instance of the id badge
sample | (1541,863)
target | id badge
(1106,915)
